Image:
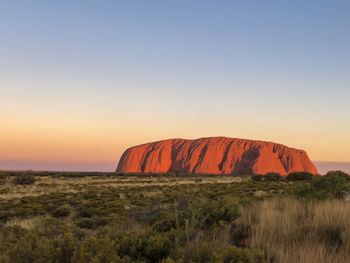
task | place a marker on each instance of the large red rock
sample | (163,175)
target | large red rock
(214,155)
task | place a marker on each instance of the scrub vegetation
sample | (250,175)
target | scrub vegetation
(105,217)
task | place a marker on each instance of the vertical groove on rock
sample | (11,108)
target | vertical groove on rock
(225,157)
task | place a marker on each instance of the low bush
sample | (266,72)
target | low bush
(151,247)
(61,211)
(2,178)
(164,222)
(239,235)
(327,187)
(91,223)
(97,250)
(272,177)
(201,253)
(338,173)
(240,255)
(257,177)
(212,212)
(24,179)
(299,176)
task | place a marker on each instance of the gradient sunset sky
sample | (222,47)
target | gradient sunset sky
(80,81)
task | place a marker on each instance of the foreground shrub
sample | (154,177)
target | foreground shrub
(299,176)
(24,179)
(97,250)
(211,213)
(145,245)
(199,252)
(240,234)
(240,255)
(164,222)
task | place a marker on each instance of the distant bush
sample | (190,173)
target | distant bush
(272,176)
(325,187)
(2,177)
(299,176)
(257,177)
(328,186)
(4,174)
(24,179)
(338,173)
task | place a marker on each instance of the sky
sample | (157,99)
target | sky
(80,81)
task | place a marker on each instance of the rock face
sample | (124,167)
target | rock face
(214,155)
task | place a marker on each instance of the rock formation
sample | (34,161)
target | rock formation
(214,155)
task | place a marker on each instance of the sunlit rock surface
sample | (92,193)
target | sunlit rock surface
(214,155)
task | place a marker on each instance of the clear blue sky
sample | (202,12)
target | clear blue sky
(82,80)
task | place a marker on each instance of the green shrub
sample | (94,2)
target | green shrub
(2,181)
(158,247)
(212,212)
(164,222)
(91,223)
(37,247)
(326,186)
(168,260)
(338,173)
(148,246)
(272,176)
(257,177)
(97,250)
(24,179)
(199,253)
(240,234)
(239,255)
(299,176)
(2,176)
(132,245)
(21,251)
(61,211)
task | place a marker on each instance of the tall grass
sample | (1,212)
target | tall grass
(289,230)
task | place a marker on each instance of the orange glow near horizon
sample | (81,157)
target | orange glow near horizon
(102,143)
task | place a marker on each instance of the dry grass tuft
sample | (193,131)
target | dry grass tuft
(289,230)
(26,223)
